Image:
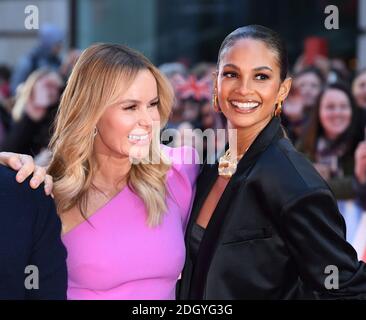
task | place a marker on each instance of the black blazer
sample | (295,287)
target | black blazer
(273,233)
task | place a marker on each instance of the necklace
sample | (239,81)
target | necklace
(227,165)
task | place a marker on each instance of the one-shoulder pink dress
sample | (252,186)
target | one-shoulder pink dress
(117,256)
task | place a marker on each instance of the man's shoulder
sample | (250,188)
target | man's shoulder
(9,187)
(7,178)
(20,201)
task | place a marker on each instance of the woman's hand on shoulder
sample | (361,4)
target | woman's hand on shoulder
(25,166)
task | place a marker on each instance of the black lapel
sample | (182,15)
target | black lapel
(212,233)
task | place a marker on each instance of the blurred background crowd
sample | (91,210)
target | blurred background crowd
(324,115)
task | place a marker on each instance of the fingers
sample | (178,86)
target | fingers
(22,163)
(11,160)
(38,177)
(48,185)
(27,168)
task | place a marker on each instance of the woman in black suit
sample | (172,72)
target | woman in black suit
(264,224)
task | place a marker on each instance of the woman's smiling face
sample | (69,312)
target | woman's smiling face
(335,113)
(126,128)
(249,84)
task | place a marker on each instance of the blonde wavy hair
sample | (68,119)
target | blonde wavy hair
(92,86)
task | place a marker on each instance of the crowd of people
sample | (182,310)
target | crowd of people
(53,110)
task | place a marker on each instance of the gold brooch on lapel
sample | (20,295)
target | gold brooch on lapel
(228,164)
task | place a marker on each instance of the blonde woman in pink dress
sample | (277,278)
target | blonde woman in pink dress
(123,199)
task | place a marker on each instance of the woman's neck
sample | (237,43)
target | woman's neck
(112,172)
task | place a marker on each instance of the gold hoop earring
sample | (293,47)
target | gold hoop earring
(215,103)
(95,132)
(278,109)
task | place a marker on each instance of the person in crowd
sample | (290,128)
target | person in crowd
(360,173)
(192,94)
(68,63)
(33,114)
(359,88)
(359,93)
(5,122)
(331,138)
(5,118)
(46,54)
(307,85)
(5,74)
(309,82)
(338,71)
(175,72)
